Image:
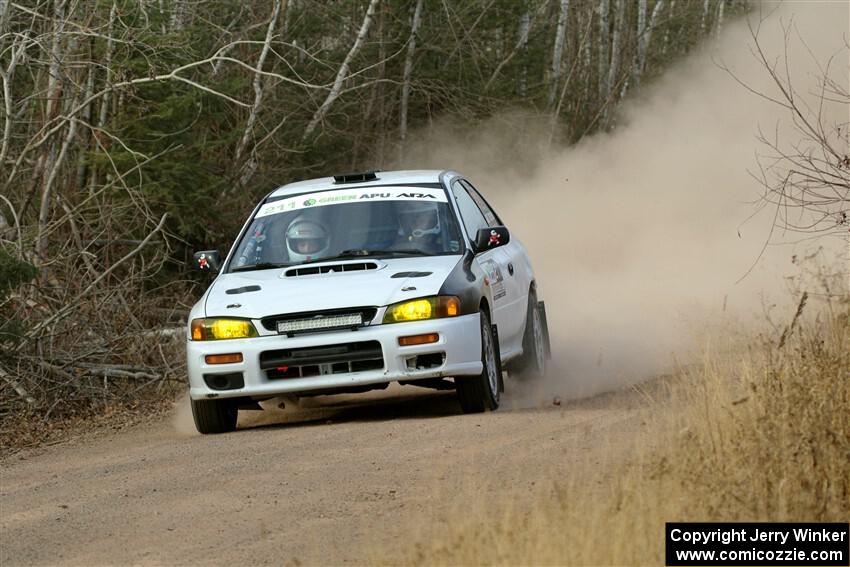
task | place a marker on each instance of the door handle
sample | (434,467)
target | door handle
(510,268)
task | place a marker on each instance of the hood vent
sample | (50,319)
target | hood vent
(329,268)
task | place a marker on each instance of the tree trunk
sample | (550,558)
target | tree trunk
(4,13)
(16,52)
(558,52)
(85,140)
(614,68)
(586,55)
(666,43)
(343,72)
(48,161)
(47,192)
(106,99)
(408,70)
(644,36)
(287,16)
(179,14)
(719,24)
(522,41)
(640,56)
(603,50)
(258,94)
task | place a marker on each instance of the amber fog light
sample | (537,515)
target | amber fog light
(419,339)
(223,358)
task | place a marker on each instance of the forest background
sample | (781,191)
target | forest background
(136,131)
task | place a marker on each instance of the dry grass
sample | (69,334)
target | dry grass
(755,433)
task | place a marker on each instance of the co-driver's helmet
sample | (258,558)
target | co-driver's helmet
(418,218)
(306,239)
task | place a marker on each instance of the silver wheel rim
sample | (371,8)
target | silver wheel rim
(490,362)
(539,340)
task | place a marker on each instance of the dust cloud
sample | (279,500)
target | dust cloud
(181,417)
(639,236)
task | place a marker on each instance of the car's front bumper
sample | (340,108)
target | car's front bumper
(459,343)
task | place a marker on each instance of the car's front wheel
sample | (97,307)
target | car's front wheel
(480,393)
(214,416)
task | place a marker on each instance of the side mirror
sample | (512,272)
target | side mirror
(493,237)
(207,261)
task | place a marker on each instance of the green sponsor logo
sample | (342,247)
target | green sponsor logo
(337,198)
(309,202)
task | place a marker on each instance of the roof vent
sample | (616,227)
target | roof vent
(355,177)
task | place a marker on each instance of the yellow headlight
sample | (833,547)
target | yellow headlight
(420,309)
(218,329)
(412,310)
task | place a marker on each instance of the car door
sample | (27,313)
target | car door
(493,262)
(516,277)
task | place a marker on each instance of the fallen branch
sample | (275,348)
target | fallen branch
(17,387)
(65,311)
(117,373)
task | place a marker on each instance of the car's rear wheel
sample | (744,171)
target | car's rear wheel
(214,416)
(532,363)
(481,393)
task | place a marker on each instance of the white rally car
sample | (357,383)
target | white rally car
(347,283)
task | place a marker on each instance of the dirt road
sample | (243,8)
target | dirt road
(351,481)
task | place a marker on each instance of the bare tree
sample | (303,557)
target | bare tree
(703,26)
(604,89)
(719,25)
(408,69)
(320,113)
(805,169)
(247,170)
(558,51)
(644,37)
(616,48)
(522,43)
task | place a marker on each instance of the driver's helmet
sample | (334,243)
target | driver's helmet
(306,239)
(418,218)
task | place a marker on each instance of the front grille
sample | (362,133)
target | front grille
(322,360)
(366,313)
(329,269)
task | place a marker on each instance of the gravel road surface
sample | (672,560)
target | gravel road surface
(352,480)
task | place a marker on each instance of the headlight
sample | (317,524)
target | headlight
(216,329)
(425,308)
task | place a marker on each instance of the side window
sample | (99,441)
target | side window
(472,217)
(489,215)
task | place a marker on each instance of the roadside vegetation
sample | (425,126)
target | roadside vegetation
(758,431)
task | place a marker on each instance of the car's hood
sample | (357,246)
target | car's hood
(279,294)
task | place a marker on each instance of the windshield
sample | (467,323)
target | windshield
(378,222)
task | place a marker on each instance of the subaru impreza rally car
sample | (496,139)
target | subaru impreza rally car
(348,283)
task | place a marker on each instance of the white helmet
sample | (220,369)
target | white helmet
(306,239)
(418,218)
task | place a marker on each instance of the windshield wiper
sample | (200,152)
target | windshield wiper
(363,252)
(260,266)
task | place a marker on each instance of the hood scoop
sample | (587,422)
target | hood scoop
(411,274)
(329,268)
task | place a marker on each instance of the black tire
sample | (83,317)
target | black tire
(481,393)
(532,363)
(214,416)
